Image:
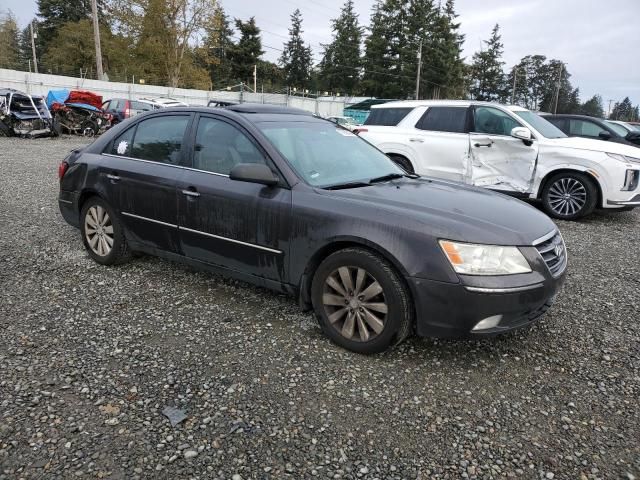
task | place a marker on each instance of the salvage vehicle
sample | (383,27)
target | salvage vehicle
(78,112)
(508,149)
(282,199)
(595,128)
(24,115)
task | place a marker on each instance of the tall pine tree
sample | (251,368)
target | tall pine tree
(296,58)
(10,41)
(214,53)
(247,52)
(593,107)
(487,76)
(340,65)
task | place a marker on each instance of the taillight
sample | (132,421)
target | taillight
(359,130)
(62,169)
(127,109)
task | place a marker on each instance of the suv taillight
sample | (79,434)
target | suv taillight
(359,130)
(62,169)
(127,109)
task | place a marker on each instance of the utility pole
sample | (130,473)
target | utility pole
(419,68)
(513,92)
(96,38)
(33,48)
(560,69)
(255,76)
(609,109)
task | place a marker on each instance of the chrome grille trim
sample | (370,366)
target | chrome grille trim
(553,251)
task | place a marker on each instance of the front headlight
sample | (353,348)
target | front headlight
(470,259)
(623,158)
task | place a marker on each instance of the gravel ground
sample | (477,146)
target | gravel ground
(91,355)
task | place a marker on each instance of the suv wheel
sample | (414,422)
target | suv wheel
(360,301)
(569,196)
(102,233)
(403,162)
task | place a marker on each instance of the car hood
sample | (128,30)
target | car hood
(452,210)
(593,145)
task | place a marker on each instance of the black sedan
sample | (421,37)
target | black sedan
(294,203)
(595,128)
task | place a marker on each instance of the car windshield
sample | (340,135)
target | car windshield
(326,156)
(619,129)
(544,127)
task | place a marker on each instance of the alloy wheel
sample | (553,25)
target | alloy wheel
(99,230)
(567,196)
(355,304)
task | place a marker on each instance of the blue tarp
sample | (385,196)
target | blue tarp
(57,96)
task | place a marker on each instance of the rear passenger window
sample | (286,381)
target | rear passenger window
(122,145)
(389,117)
(160,139)
(444,119)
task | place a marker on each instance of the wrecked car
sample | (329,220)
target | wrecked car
(79,112)
(508,149)
(24,115)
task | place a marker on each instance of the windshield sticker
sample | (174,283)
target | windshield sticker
(122,147)
(345,133)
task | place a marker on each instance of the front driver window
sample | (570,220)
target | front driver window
(220,146)
(585,128)
(493,121)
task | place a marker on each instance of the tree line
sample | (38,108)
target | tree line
(195,44)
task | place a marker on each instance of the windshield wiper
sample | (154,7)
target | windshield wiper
(392,176)
(340,186)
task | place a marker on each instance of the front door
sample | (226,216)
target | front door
(142,177)
(498,160)
(236,225)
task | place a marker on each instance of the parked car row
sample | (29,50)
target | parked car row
(292,202)
(510,150)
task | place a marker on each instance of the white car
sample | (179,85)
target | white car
(345,122)
(163,102)
(507,149)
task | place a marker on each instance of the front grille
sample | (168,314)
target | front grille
(554,253)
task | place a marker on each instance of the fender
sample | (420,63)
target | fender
(543,174)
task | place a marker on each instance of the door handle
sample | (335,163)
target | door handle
(113,177)
(418,140)
(190,193)
(483,144)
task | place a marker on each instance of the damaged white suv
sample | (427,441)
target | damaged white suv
(508,149)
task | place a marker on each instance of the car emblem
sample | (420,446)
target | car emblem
(558,250)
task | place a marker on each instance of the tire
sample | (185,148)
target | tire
(569,196)
(383,289)
(107,227)
(89,128)
(5,130)
(403,163)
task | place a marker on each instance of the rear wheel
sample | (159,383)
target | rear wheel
(569,196)
(102,233)
(361,302)
(403,162)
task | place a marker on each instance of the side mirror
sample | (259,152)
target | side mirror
(522,133)
(254,173)
(604,135)
(633,137)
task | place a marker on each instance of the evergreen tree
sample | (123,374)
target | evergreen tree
(55,13)
(247,52)
(443,64)
(487,76)
(377,61)
(10,40)
(593,107)
(214,54)
(296,58)
(623,111)
(339,69)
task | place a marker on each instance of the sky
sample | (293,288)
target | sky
(598,41)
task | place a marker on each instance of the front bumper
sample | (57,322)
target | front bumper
(449,310)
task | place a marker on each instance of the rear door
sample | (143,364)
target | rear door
(237,225)
(441,140)
(498,160)
(142,174)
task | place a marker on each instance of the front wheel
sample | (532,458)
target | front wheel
(403,163)
(569,196)
(360,301)
(102,233)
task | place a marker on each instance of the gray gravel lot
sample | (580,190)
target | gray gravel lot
(91,355)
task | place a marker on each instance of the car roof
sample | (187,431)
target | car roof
(443,103)
(264,108)
(571,115)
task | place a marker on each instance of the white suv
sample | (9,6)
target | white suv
(508,149)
